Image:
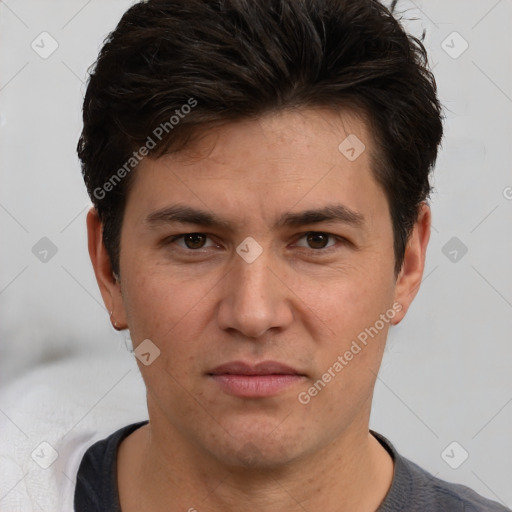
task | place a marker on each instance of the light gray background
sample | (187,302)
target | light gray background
(446,375)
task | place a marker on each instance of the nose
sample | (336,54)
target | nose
(255,298)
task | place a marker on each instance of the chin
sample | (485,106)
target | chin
(257,456)
(258,445)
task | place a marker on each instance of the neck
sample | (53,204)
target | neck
(157,467)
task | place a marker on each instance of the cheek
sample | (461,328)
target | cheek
(143,302)
(168,308)
(347,304)
(153,302)
(169,313)
(354,332)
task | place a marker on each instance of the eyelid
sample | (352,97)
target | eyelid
(175,238)
(340,239)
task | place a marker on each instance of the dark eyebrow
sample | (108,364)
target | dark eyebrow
(188,215)
(331,213)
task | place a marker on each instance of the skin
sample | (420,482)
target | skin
(298,303)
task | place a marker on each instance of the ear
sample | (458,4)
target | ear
(109,285)
(411,273)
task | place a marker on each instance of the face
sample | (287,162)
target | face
(259,262)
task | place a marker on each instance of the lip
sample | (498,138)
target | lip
(264,379)
(263,368)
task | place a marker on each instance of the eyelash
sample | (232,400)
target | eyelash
(324,250)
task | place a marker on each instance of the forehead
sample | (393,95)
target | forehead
(267,164)
(279,137)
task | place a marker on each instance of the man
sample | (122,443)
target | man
(259,171)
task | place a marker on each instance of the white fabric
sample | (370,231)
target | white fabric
(70,405)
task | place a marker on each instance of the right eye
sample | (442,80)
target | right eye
(190,241)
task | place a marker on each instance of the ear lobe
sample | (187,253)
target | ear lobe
(108,283)
(411,273)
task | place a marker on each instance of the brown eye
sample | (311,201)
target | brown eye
(190,242)
(194,240)
(317,240)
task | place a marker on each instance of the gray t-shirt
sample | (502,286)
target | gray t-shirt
(412,490)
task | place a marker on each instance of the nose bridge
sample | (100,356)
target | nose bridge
(253,280)
(254,299)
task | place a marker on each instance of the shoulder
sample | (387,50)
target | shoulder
(415,489)
(448,496)
(96,480)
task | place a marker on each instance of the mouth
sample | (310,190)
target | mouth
(268,378)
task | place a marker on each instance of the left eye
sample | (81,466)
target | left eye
(317,240)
